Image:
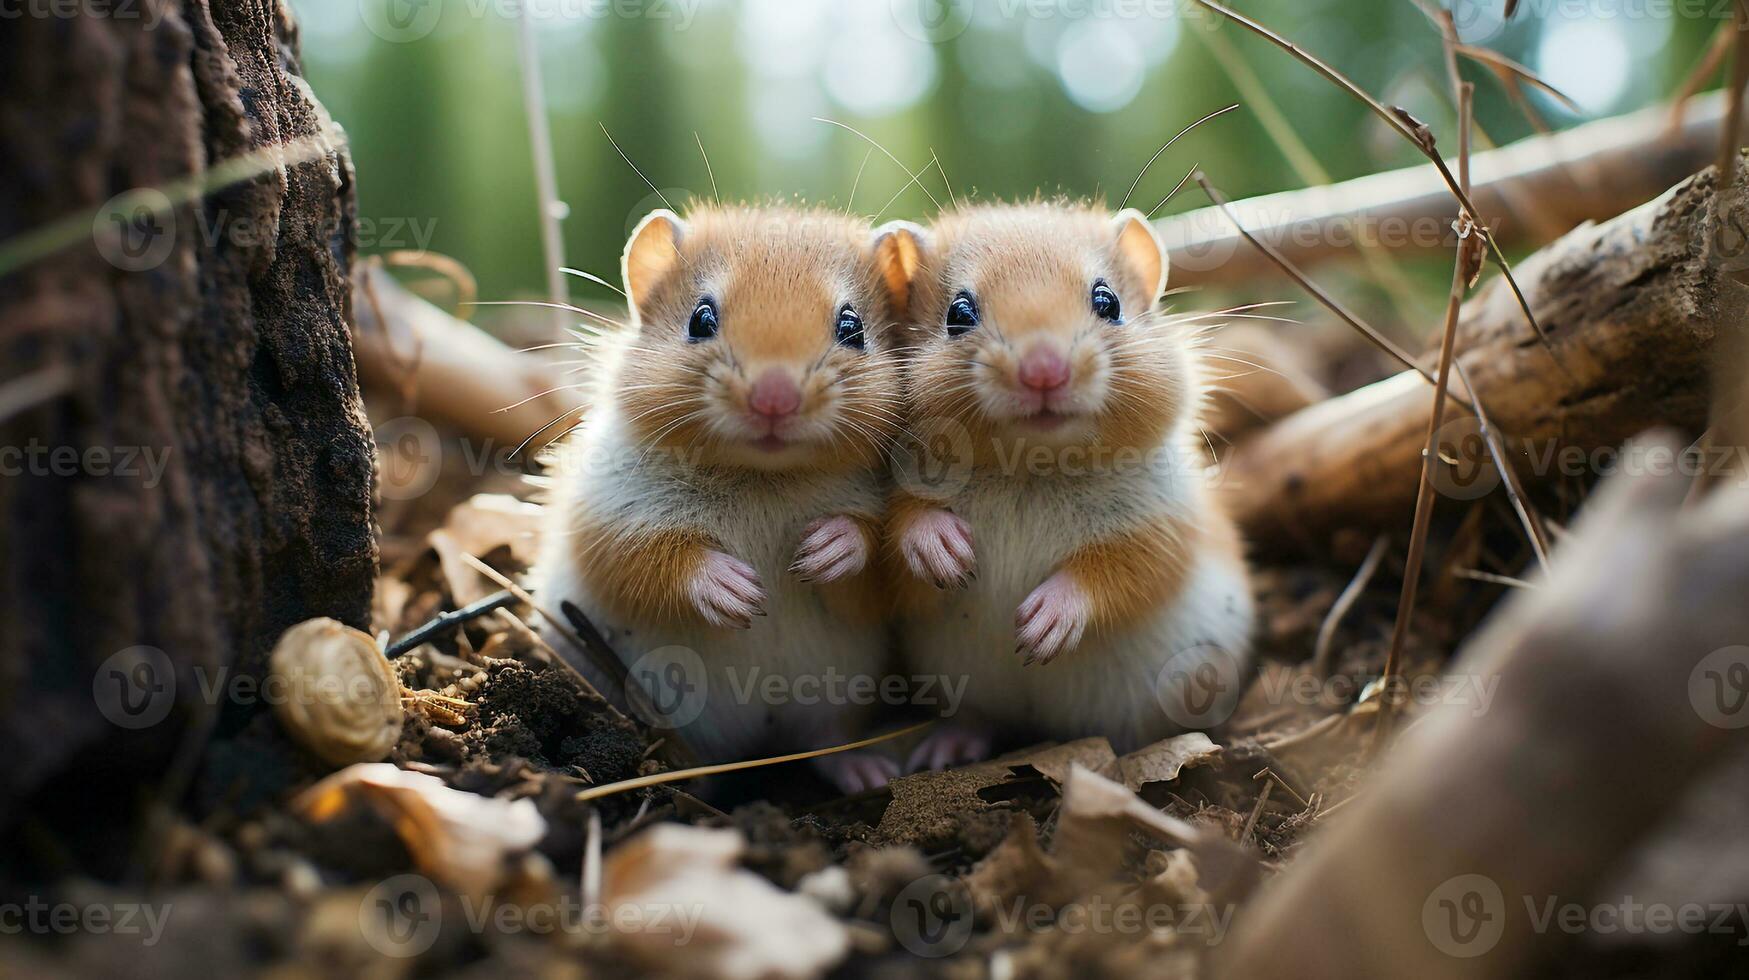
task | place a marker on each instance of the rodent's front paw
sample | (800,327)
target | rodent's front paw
(832,548)
(1051,620)
(937,547)
(726,591)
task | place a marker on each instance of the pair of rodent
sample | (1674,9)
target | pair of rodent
(727,514)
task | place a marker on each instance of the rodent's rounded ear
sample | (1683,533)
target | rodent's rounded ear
(1140,249)
(898,251)
(653,250)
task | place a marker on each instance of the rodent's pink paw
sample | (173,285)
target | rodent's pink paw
(857,772)
(1051,620)
(949,745)
(726,591)
(937,547)
(832,548)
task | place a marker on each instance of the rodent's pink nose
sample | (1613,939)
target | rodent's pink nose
(775,394)
(1043,368)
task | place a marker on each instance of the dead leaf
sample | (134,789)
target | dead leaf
(1164,760)
(462,839)
(701,914)
(479,526)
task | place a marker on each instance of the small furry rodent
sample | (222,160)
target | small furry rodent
(725,491)
(1065,555)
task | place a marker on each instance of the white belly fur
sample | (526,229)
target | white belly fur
(1023,529)
(758,518)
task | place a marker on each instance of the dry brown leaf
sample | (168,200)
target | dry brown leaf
(479,526)
(1164,760)
(1017,868)
(1055,761)
(462,839)
(719,920)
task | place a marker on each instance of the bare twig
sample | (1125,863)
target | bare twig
(1416,135)
(1166,146)
(1703,70)
(1731,133)
(1508,69)
(1533,525)
(1322,650)
(1318,293)
(540,141)
(657,779)
(448,621)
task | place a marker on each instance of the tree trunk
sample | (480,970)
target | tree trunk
(186,463)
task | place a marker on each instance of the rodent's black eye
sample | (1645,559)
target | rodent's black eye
(1105,303)
(849,329)
(703,325)
(962,315)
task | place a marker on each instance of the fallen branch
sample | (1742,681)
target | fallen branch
(456,373)
(1633,308)
(1558,176)
(1477,814)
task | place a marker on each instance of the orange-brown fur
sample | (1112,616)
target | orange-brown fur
(776,309)
(640,573)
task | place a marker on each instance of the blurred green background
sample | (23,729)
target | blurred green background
(1014,96)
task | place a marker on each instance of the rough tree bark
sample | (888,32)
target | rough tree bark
(213,338)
